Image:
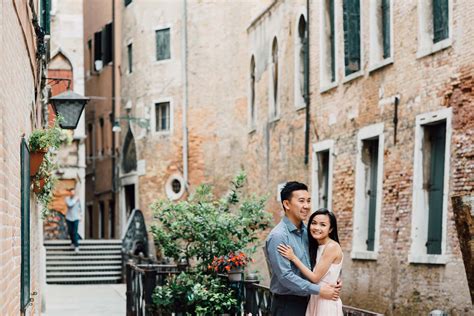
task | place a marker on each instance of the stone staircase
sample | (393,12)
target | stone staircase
(98,261)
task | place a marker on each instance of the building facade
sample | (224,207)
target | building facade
(24,50)
(102,87)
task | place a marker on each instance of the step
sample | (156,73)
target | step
(83,280)
(67,242)
(84,252)
(83,263)
(82,274)
(78,256)
(85,247)
(84,268)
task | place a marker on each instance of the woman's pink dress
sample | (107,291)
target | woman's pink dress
(319,306)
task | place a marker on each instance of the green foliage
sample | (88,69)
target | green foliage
(46,172)
(51,137)
(195,294)
(203,227)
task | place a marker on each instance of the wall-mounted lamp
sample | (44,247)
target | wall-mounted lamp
(69,105)
(140,121)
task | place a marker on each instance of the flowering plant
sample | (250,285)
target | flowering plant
(226,263)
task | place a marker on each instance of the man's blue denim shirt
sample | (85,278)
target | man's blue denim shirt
(286,277)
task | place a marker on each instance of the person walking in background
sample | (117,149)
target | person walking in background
(73,216)
(291,290)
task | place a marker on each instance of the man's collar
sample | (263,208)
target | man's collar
(291,227)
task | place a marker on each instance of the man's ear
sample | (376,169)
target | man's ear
(286,205)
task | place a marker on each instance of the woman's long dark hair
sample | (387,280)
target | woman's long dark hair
(312,242)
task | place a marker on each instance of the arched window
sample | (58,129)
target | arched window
(252,92)
(301,71)
(274,78)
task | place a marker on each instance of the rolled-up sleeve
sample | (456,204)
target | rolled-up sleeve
(281,269)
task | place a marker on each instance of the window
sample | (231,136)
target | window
(430,187)
(162,116)
(368,192)
(101,226)
(274,80)
(163,44)
(90,140)
(107,44)
(322,174)
(98,51)
(45,17)
(301,71)
(328,44)
(130,58)
(25,226)
(111,219)
(127,2)
(175,187)
(102,136)
(380,33)
(351,16)
(434,31)
(252,93)
(90,56)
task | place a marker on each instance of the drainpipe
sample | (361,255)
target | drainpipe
(185,93)
(307,98)
(114,189)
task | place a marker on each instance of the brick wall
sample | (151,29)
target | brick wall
(18,113)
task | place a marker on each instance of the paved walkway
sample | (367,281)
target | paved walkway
(85,300)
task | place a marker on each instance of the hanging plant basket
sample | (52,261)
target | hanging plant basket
(38,185)
(36,158)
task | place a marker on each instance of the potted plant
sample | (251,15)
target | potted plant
(44,182)
(232,264)
(40,141)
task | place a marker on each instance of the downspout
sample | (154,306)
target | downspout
(185,93)
(114,189)
(307,97)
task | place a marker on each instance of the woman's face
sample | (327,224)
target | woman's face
(320,227)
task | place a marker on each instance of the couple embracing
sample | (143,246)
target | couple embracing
(305,261)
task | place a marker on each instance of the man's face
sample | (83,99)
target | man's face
(299,205)
(72,192)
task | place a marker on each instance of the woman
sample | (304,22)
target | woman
(325,257)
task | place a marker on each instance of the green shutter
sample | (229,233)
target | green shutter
(351,12)
(440,20)
(127,2)
(107,44)
(45,17)
(306,67)
(372,194)
(25,226)
(386,28)
(130,58)
(97,48)
(332,40)
(437,135)
(163,44)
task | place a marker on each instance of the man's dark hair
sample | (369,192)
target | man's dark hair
(288,189)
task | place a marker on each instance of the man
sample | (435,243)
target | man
(290,290)
(73,216)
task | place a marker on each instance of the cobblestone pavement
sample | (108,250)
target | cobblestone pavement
(85,300)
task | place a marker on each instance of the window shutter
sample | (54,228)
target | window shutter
(127,2)
(435,188)
(440,20)
(351,9)
(45,17)
(163,44)
(332,40)
(25,226)
(97,48)
(107,43)
(386,28)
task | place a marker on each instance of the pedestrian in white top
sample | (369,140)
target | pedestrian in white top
(73,216)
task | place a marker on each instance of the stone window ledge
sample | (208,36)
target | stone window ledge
(428,259)
(364,255)
(428,50)
(381,64)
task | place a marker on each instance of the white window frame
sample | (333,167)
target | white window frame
(360,72)
(159,28)
(173,196)
(419,223)
(376,60)
(426,46)
(359,236)
(271,101)
(324,76)
(326,145)
(299,101)
(153,117)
